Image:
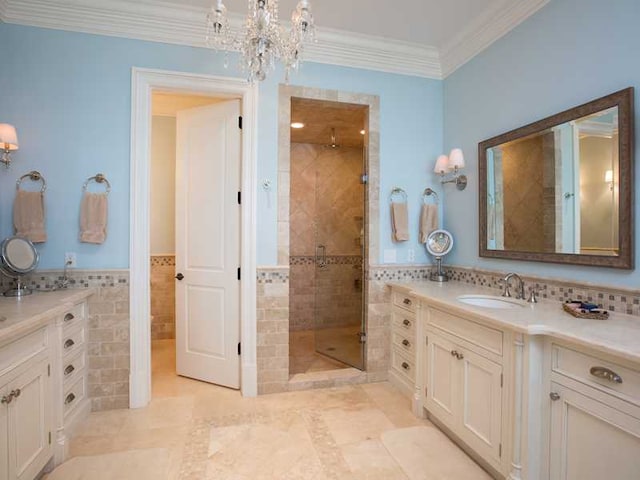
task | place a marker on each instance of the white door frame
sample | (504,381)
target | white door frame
(144,82)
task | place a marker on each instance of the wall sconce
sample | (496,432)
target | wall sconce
(8,142)
(455,162)
(608,178)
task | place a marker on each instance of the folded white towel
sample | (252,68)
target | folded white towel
(400,221)
(28,216)
(428,221)
(93,217)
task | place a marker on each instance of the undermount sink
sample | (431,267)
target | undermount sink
(489,301)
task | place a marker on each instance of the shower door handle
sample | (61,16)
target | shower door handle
(321,256)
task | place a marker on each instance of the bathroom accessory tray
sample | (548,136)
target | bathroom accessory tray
(588,315)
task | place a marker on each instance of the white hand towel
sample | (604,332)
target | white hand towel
(428,221)
(93,217)
(400,221)
(28,216)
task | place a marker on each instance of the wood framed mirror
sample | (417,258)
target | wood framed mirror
(561,189)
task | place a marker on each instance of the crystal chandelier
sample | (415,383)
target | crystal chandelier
(264,40)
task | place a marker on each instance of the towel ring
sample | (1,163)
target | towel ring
(98,178)
(398,191)
(34,176)
(430,192)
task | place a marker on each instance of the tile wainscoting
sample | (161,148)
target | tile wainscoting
(163,297)
(108,330)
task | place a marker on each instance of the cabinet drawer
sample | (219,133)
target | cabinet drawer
(73,366)
(402,364)
(403,342)
(405,301)
(74,395)
(403,322)
(73,317)
(488,338)
(22,349)
(72,341)
(608,376)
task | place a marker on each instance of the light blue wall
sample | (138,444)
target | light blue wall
(570,52)
(69,96)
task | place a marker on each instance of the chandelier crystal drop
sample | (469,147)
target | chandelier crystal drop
(264,40)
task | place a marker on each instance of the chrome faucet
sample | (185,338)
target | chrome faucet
(519,288)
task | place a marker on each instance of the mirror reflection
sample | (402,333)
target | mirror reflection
(556,191)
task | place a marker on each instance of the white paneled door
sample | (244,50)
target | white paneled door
(208,243)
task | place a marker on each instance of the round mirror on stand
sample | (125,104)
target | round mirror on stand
(439,243)
(18,257)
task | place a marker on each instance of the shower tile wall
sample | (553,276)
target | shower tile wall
(163,298)
(327,204)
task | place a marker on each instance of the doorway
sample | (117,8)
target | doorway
(195,161)
(144,84)
(328,241)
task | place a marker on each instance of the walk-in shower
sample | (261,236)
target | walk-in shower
(327,236)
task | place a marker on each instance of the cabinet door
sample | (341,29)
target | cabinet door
(442,384)
(4,436)
(481,404)
(591,440)
(29,423)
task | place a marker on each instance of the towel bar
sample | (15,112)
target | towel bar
(98,178)
(34,176)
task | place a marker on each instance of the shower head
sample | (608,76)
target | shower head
(333,143)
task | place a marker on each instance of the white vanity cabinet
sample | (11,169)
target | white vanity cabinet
(595,417)
(403,341)
(25,406)
(464,381)
(71,376)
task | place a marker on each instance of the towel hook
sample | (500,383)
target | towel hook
(98,178)
(398,191)
(34,176)
(430,192)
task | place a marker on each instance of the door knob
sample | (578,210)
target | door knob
(554,396)
(179,276)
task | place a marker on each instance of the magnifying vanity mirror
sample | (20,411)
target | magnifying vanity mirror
(561,190)
(439,243)
(18,257)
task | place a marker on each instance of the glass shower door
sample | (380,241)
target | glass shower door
(339,277)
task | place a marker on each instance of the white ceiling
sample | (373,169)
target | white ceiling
(427,22)
(425,38)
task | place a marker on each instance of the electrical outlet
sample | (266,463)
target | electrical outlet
(411,255)
(70,259)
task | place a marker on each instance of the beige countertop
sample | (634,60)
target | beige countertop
(619,335)
(19,316)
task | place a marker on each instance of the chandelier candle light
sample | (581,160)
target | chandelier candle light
(264,40)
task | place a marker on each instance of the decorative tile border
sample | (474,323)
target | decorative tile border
(48,279)
(163,260)
(330,260)
(272,275)
(611,298)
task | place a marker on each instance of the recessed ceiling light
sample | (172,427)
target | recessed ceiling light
(362,132)
(297,125)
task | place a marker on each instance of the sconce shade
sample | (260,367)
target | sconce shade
(456,159)
(442,164)
(8,136)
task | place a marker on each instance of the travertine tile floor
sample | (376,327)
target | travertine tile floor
(196,431)
(340,346)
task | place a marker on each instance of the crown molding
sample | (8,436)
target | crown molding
(173,23)
(485,30)
(186,25)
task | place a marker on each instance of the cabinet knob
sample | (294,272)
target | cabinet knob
(68,344)
(406,342)
(68,317)
(6,400)
(70,398)
(406,323)
(406,301)
(405,365)
(16,393)
(454,353)
(69,370)
(554,396)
